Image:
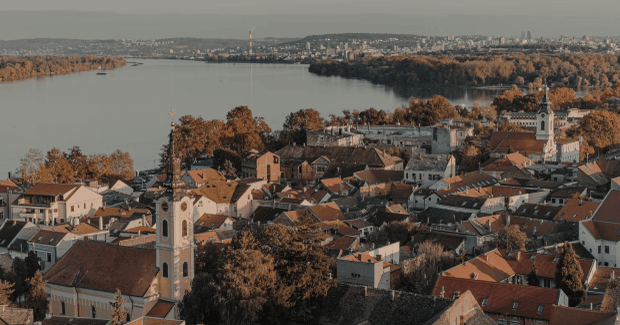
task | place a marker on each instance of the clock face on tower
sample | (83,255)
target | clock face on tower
(543,115)
(183,206)
(164,207)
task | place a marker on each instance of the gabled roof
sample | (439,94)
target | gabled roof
(568,192)
(594,172)
(578,316)
(491,266)
(608,209)
(343,243)
(266,214)
(461,201)
(210,221)
(52,189)
(461,183)
(47,237)
(218,191)
(326,212)
(437,215)
(482,226)
(546,264)
(601,277)
(8,185)
(105,267)
(576,210)
(603,230)
(9,231)
(145,320)
(524,142)
(335,184)
(340,227)
(161,309)
(501,297)
(537,211)
(81,229)
(377,176)
(342,155)
(506,163)
(201,176)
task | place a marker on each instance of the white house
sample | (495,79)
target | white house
(48,204)
(425,170)
(601,234)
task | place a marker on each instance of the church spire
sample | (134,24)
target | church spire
(173,182)
(545,103)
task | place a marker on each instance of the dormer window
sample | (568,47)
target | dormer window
(515,305)
(485,301)
(540,309)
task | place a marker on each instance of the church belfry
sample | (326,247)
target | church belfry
(174,242)
(545,118)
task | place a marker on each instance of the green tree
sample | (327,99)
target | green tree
(532,278)
(37,296)
(568,276)
(119,314)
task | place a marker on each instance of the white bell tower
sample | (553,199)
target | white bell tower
(545,118)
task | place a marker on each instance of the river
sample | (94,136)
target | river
(127,109)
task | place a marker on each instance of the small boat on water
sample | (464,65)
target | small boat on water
(102,73)
(137,64)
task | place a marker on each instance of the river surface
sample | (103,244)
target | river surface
(127,109)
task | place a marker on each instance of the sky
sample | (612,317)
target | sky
(295,18)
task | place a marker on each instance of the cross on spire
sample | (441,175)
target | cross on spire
(172,113)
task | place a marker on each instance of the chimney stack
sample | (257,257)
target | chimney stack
(517,256)
(100,223)
(489,225)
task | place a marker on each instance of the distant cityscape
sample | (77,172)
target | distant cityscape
(349,46)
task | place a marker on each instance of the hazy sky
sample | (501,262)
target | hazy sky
(295,18)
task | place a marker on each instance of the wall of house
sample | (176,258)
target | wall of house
(363,273)
(493,205)
(84,202)
(244,207)
(377,190)
(389,253)
(568,152)
(592,245)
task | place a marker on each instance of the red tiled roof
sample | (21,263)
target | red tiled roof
(81,229)
(340,227)
(8,185)
(140,229)
(522,142)
(335,184)
(105,267)
(205,175)
(218,191)
(51,189)
(154,321)
(601,278)
(603,230)
(328,211)
(502,296)
(460,183)
(577,316)
(211,221)
(608,209)
(544,263)
(343,243)
(47,237)
(543,227)
(489,267)
(575,212)
(161,309)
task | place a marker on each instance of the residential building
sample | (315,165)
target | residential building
(47,203)
(504,302)
(9,192)
(335,186)
(497,166)
(13,232)
(371,268)
(601,234)
(211,222)
(426,169)
(334,136)
(199,177)
(262,165)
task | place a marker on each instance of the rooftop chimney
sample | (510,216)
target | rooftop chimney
(100,223)
(580,202)
(507,221)
(517,256)
(489,225)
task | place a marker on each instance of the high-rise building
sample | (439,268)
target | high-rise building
(308,46)
(523,35)
(529,35)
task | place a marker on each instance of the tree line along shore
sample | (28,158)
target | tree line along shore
(26,67)
(557,70)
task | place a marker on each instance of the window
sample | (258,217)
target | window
(540,309)
(128,317)
(485,301)
(49,257)
(93,312)
(84,205)
(515,305)
(430,177)
(62,307)
(72,208)
(164,228)
(606,249)
(542,125)
(606,264)
(164,270)
(184,228)
(185,270)
(599,249)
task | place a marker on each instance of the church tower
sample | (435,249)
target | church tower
(175,243)
(544,118)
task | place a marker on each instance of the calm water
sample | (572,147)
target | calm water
(127,109)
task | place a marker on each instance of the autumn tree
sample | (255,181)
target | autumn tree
(512,238)
(228,168)
(506,126)
(32,167)
(244,131)
(296,124)
(601,129)
(121,165)
(221,155)
(469,157)
(504,102)
(395,231)
(79,162)
(431,111)
(32,264)
(119,314)
(420,275)
(562,97)
(532,278)
(568,276)
(6,290)
(611,298)
(59,167)
(207,257)
(37,296)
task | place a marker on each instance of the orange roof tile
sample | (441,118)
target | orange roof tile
(328,211)
(523,142)
(81,229)
(601,278)
(491,266)
(577,316)
(210,221)
(501,297)
(161,309)
(343,243)
(205,175)
(360,257)
(51,189)
(8,185)
(608,209)
(218,191)
(335,184)
(575,212)
(140,229)
(546,264)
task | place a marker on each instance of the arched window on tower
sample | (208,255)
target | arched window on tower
(164,228)
(542,125)
(185,270)
(93,312)
(164,270)
(62,307)
(184,228)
